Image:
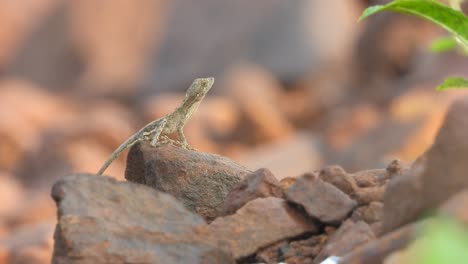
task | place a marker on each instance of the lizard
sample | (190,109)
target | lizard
(170,123)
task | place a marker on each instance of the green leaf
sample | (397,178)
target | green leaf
(443,44)
(444,240)
(453,83)
(450,19)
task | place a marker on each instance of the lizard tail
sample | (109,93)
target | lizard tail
(127,144)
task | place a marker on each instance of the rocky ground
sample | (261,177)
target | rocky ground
(181,206)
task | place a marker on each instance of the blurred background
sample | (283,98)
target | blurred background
(299,85)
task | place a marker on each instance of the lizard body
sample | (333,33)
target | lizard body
(173,122)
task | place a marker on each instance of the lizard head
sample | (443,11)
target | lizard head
(199,88)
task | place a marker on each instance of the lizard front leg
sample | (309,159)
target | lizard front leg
(182,138)
(157,132)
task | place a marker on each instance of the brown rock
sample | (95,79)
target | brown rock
(371,178)
(399,239)
(101,220)
(339,178)
(369,194)
(258,184)
(403,201)
(348,236)
(377,228)
(298,251)
(437,176)
(376,251)
(201,181)
(304,251)
(320,199)
(446,165)
(370,213)
(257,224)
(273,253)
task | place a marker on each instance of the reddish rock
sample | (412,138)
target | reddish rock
(258,184)
(201,181)
(435,177)
(377,250)
(101,220)
(369,194)
(320,199)
(297,251)
(339,178)
(273,253)
(257,224)
(403,201)
(400,238)
(370,213)
(304,251)
(348,236)
(446,166)
(371,178)
(377,228)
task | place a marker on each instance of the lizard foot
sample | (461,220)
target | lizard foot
(165,140)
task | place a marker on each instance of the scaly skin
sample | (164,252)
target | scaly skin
(173,122)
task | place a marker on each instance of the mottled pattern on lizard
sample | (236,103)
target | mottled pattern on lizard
(173,122)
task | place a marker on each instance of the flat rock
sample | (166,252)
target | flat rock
(339,178)
(369,194)
(259,223)
(201,181)
(348,236)
(370,214)
(320,199)
(101,220)
(379,177)
(258,184)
